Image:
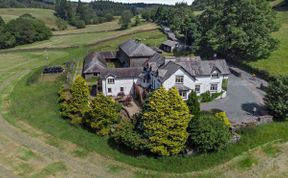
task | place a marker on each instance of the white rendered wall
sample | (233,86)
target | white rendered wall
(126,83)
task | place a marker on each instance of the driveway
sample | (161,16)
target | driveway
(242,96)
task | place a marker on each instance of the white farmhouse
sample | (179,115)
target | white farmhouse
(150,71)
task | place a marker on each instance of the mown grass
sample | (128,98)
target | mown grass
(46,15)
(74,40)
(277,63)
(51,170)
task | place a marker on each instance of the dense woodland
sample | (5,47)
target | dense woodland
(23,30)
(243,30)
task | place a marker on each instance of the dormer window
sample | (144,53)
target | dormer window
(215,75)
(110,80)
(179,79)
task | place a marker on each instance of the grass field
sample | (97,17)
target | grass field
(46,15)
(34,109)
(75,40)
(277,63)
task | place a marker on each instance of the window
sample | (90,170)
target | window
(121,89)
(109,90)
(111,81)
(214,87)
(179,79)
(215,75)
(197,88)
(183,94)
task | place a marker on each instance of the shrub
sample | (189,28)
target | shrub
(225,84)
(61,24)
(208,134)
(193,104)
(125,134)
(103,114)
(80,24)
(276,98)
(206,97)
(223,116)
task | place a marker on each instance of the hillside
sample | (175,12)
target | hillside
(46,15)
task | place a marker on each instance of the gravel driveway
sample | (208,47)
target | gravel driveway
(242,96)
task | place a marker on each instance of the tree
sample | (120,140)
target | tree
(276,98)
(137,20)
(125,19)
(79,102)
(109,17)
(238,29)
(208,133)
(194,104)
(7,40)
(103,114)
(223,117)
(2,22)
(165,120)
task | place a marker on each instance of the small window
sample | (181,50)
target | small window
(109,90)
(111,81)
(121,89)
(214,87)
(183,94)
(179,79)
(197,88)
(215,75)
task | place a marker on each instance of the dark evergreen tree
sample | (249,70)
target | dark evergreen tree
(194,105)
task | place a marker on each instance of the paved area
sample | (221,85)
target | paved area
(242,96)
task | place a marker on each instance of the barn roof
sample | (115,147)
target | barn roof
(170,43)
(136,49)
(94,62)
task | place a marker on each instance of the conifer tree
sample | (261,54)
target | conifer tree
(165,121)
(80,97)
(103,114)
(194,104)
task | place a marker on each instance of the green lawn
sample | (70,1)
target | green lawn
(46,15)
(277,63)
(73,40)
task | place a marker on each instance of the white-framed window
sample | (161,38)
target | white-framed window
(109,90)
(183,94)
(214,87)
(121,89)
(215,75)
(179,79)
(197,88)
(110,80)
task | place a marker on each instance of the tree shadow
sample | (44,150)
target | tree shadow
(282,6)
(254,109)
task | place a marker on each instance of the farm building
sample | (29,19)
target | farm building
(169,46)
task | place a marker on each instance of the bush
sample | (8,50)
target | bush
(80,24)
(223,117)
(193,104)
(205,97)
(276,98)
(208,134)
(125,134)
(61,24)
(225,84)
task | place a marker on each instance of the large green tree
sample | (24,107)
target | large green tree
(238,29)
(165,121)
(103,114)
(125,19)
(276,98)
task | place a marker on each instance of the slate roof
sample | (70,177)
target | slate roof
(155,61)
(170,43)
(193,67)
(94,62)
(121,72)
(136,49)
